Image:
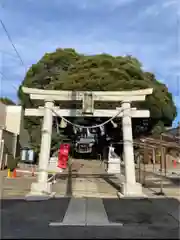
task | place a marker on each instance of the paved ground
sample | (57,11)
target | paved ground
(154,217)
(170,170)
(85,179)
(14,186)
(140,219)
(154,181)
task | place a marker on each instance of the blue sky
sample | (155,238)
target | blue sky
(146,29)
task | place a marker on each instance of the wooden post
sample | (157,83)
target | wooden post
(165,162)
(144,168)
(163,157)
(139,164)
(154,158)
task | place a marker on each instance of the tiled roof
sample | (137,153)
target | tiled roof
(172,135)
(175,132)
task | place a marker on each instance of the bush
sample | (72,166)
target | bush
(12,162)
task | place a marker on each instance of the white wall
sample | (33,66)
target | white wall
(13,119)
(2,115)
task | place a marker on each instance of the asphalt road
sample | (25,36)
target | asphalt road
(141,218)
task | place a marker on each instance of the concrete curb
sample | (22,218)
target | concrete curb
(34,197)
(121,196)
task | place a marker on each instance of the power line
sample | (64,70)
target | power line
(9,54)
(4,76)
(10,39)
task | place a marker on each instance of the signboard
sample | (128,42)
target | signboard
(27,155)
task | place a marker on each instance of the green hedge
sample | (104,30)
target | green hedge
(12,162)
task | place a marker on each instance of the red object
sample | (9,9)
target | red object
(63,155)
(174,163)
(14,173)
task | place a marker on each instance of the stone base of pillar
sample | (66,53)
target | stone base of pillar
(114,166)
(40,191)
(131,191)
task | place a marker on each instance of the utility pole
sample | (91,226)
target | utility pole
(179,135)
(1,71)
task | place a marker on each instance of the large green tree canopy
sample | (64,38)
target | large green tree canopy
(65,69)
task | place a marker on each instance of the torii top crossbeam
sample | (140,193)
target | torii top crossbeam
(56,95)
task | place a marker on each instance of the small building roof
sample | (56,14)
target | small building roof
(173,132)
(172,135)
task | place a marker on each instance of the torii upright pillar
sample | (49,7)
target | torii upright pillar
(130,187)
(42,186)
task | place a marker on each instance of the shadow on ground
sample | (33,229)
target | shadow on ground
(175,180)
(141,218)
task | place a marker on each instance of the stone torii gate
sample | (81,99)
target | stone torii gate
(130,187)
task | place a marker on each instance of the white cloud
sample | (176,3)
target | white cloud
(97,4)
(119,3)
(154,10)
(170,3)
